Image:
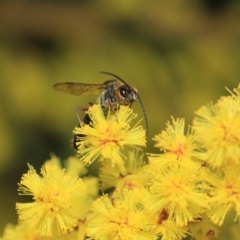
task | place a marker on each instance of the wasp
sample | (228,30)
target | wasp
(112,93)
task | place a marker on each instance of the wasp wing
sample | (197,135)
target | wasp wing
(77,89)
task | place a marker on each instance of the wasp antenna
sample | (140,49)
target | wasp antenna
(140,101)
(144,114)
(113,75)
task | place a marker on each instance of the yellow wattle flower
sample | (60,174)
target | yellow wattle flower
(57,199)
(106,136)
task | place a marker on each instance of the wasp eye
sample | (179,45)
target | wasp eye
(123,91)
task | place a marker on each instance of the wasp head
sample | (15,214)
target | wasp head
(126,95)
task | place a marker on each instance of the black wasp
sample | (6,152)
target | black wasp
(112,93)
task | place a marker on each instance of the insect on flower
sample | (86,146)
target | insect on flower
(112,94)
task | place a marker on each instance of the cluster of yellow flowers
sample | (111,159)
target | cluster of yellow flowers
(185,190)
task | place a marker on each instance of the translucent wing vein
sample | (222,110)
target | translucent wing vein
(77,89)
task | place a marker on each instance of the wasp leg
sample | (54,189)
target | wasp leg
(82,121)
(90,104)
(112,108)
(84,109)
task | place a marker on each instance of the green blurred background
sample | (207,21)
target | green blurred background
(178,55)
